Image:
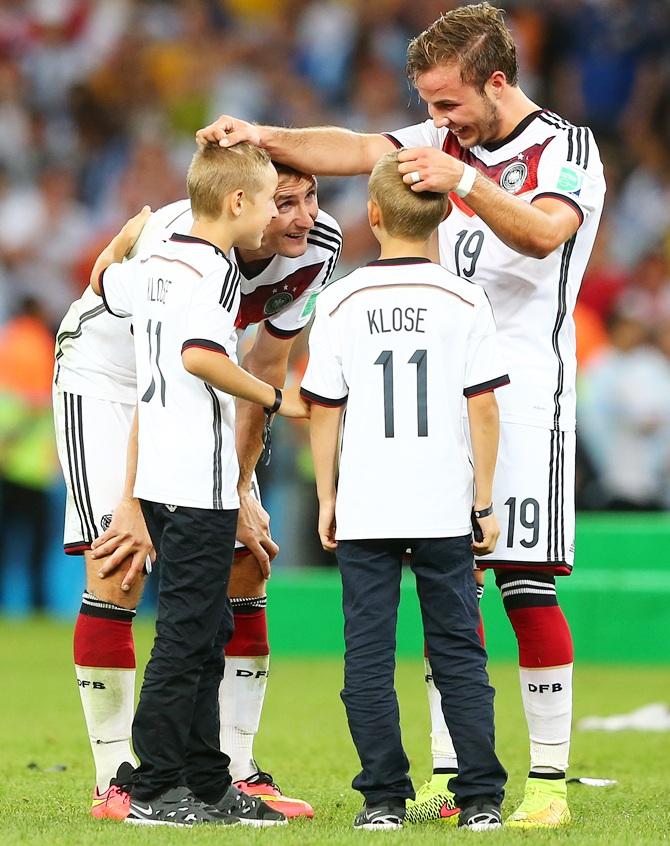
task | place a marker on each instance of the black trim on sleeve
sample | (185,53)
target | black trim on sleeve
(203,344)
(393,140)
(319,400)
(102,294)
(282,334)
(399,260)
(485,387)
(567,200)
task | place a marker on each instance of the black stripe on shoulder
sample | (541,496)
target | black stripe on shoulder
(102,294)
(75,333)
(326,236)
(486,387)
(326,246)
(579,134)
(333,231)
(328,402)
(282,334)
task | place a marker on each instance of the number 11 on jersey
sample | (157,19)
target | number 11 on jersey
(420,359)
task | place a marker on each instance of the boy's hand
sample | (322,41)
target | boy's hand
(293,405)
(327,526)
(253,530)
(126,537)
(120,245)
(491,533)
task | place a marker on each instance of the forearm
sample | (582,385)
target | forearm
(324,438)
(131,460)
(484,435)
(219,371)
(324,150)
(250,421)
(524,227)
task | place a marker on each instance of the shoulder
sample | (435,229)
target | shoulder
(578,142)
(326,234)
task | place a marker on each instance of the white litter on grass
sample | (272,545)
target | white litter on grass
(593,782)
(654,717)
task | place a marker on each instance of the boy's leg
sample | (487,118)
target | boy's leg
(194,566)
(447,592)
(371,572)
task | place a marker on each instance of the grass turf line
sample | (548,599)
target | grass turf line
(305,743)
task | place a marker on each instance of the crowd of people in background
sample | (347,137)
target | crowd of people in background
(99,102)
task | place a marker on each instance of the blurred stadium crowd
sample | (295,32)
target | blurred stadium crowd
(99,100)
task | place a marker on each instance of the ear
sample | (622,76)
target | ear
(374,214)
(496,84)
(234,202)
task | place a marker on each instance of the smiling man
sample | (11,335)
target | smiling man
(527,189)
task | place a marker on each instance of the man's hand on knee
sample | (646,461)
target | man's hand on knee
(126,538)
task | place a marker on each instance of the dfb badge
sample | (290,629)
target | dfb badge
(277,302)
(105,522)
(513,177)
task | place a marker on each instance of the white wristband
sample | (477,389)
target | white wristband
(466,181)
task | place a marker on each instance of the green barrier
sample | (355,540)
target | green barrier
(617,600)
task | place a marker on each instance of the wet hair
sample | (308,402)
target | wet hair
(475,37)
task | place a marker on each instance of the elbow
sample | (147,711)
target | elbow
(192,362)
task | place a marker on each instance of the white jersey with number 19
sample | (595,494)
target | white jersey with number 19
(401,341)
(532,299)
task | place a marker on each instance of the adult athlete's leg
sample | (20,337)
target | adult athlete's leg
(242,690)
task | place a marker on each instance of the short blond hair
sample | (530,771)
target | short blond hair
(216,171)
(475,37)
(405,213)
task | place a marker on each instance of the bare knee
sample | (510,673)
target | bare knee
(246,578)
(109,589)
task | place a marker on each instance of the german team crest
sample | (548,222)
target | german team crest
(105,522)
(513,177)
(277,302)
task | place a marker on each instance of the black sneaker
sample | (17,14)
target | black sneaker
(388,814)
(176,806)
(239,806)
(480,814)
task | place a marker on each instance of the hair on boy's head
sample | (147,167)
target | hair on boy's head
(216,171)
(405,213)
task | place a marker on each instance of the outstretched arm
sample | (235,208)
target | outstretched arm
(119,247)
(322,150)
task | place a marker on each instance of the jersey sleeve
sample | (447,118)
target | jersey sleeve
(323,382)
(210,320)
(327,237)
(424,134)
(483,369)
(117,286)
(570,170)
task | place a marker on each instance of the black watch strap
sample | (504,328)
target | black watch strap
(275,405)
(483,512)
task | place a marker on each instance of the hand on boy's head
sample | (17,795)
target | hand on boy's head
(227,131)
(429,169)
(491,533)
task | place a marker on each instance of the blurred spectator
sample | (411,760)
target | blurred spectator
(27,448)
(647,299)
(624,418)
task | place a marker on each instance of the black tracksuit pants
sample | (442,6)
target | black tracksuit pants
(371,572)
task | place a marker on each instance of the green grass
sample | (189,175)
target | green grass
(304,741)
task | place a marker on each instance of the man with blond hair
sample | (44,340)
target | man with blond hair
(528,191)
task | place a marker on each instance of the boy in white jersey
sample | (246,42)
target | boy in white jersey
(400,342)
(95,375)
(528,192)
(183,298)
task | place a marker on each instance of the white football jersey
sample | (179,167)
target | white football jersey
(401,342)
(180,293)
(94,351)
(533,299)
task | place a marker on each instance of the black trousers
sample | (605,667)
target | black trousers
(371,573)
(176,725)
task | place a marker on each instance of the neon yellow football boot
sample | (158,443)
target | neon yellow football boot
(434,801)
(544,805)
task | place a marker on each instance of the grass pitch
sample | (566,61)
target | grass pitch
(304,742)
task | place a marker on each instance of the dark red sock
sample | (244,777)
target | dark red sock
(250,638)
(543,636)
(104,642)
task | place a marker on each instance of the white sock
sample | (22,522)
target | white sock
(441,746)
(241,696)
(108,700)
(547,701)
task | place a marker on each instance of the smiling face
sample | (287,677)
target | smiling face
(472,115)
(298,208)
(259,211)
